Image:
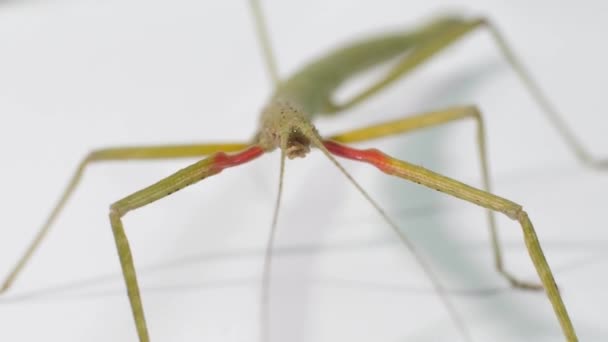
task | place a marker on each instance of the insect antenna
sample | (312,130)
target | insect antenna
(265,289)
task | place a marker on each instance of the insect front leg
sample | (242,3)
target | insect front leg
(433,119)
(514,211)
(112,154)
(163,188)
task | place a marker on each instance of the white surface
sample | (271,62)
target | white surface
(77,75)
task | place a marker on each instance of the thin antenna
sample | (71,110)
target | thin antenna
(426,267)
(262,32)
(265,290)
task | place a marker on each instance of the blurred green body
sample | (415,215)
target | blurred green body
(312,87)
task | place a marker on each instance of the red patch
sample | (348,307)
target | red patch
(371,156)
(222,160)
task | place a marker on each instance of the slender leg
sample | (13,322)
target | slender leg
(554,117)
(481,198)
(165,187)
(437,38)
(435,118)
(262,33)
(119,153)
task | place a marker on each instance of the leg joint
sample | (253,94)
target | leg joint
(116,211)
(474,112)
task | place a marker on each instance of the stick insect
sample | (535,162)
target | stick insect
(286,126)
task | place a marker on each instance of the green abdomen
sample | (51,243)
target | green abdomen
(312,86)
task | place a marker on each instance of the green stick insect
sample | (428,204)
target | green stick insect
(286,125)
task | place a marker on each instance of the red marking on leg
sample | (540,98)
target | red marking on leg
(371,156)
(222,160)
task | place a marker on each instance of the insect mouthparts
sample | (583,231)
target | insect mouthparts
(298,144)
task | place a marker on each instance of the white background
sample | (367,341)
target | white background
(77,75)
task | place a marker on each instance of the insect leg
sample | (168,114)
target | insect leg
(109,154)
(194,173)
(481,198)
(571,140)
(430,119)
(441,34)
(262,33)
